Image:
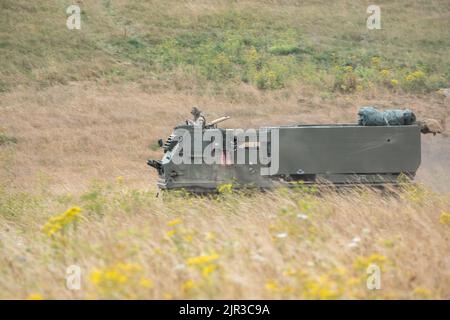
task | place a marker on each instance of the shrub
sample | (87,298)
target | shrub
(346,79)
(5,139)
(415,81)
(284,50)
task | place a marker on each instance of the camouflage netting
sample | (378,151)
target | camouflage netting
(369,116)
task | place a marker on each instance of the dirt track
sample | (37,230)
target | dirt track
(435,168)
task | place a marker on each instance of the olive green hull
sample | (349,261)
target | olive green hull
(340,154)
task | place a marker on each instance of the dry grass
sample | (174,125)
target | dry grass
(80,112)
(287,244)
(68,136)
(73,134)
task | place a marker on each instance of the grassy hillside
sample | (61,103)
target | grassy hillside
(81,111)
(268,44)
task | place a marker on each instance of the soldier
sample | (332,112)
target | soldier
(199,118)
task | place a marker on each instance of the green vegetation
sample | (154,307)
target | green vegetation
(266,45)
(5,139)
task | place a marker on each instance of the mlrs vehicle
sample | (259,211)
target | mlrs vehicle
(375,151)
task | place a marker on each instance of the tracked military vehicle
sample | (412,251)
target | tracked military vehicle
(199,157)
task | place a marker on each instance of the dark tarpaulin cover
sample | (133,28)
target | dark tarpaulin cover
(370,116)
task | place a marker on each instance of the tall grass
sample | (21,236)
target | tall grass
(290,244)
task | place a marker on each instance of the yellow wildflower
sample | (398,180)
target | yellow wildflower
(394,82)
(353,281)
(348,68)
(129,267)
(174,222)
(202,259)
(115,276)
(272,286)
(323,288)
(252,55)
(376,61)
(188,285)
(288,289)
(207,270)
(422,293)
(119,180)
(225,188)
(361,263)
(59,222)
(445,218)
(416,75)
(146,283)
(35,296)
(96,277)
(170,233)
(167,296)
(384,72)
